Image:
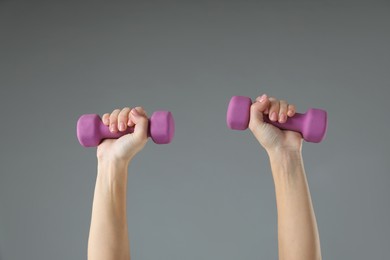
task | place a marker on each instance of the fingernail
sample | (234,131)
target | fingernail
(282,118)
(112,127)
(273,116)
(121,126)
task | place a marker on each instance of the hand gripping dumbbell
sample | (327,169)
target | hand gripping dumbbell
(91,130)
(312,124)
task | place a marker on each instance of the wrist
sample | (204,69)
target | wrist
(108,156)
(112,172)
(285,162)
(113,162)
(281,153)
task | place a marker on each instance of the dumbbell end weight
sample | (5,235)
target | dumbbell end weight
(238,113)
(88,130)
(91,130)
(315,126)
(161,127)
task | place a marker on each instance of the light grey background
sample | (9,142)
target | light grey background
(209,194)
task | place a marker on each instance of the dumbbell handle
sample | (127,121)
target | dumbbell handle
(312,124)
(107,134)
(293,123)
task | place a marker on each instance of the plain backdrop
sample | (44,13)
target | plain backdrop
(209,194)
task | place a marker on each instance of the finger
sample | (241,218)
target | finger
(274,109)
(123,117)
(257,109)
(114,120)
(138,116)
(283,105)
(130,122)
(261,99)
(291,110)
(139,110)
(266,111)
(106,119)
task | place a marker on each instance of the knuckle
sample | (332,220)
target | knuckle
(274,107)
(283,102)
(141,110)
(113,117)
(124,110)
(121,119)
(273,101)
(124,114)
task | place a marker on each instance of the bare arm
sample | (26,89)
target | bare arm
(108,237)
(297,227)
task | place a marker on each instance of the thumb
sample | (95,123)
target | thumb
(138,116)
(257,112)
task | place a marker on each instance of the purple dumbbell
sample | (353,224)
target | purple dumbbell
(312,124)
(91,130)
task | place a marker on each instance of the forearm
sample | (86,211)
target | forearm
(108,238)
(297,227)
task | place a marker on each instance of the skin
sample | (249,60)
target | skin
(298,236)
(108,237)
(297,228)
